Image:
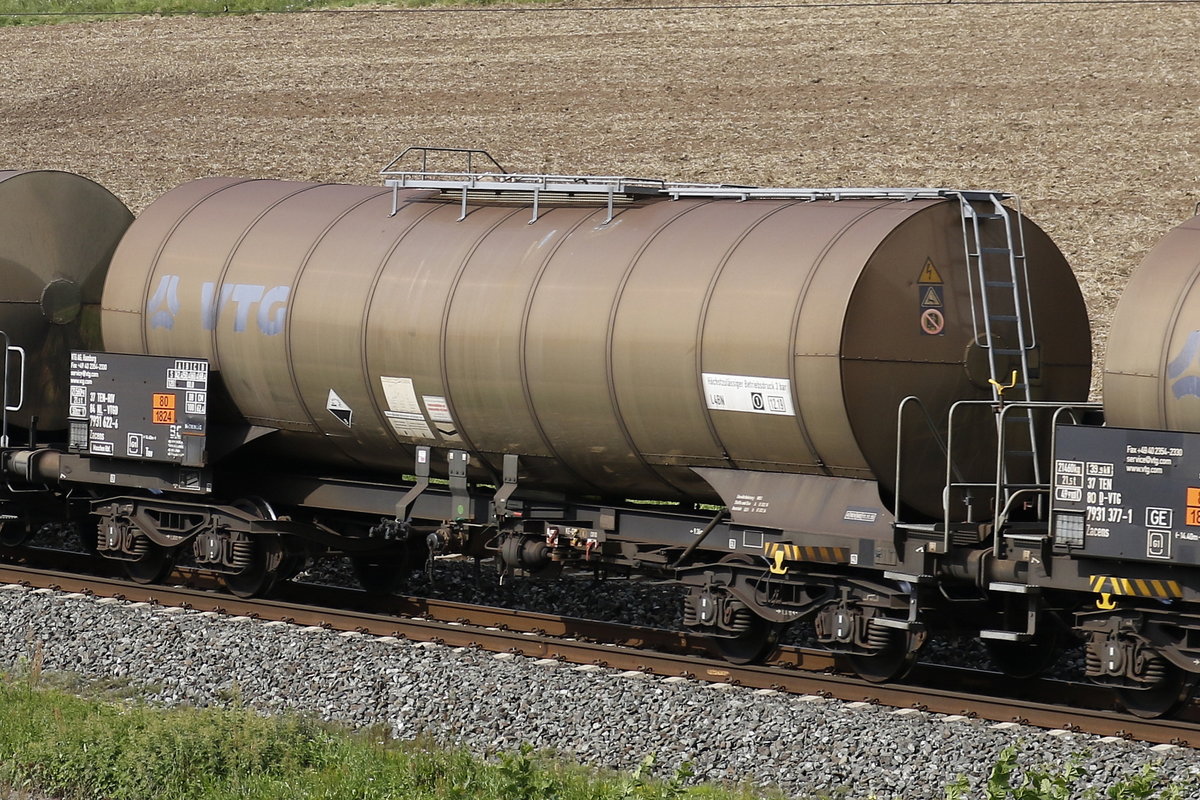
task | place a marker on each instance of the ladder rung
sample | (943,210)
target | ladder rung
(907,576)
(1003,317)
(989,216)
(995,250)
(899,624)
(998,284)
(1013,588)
(1007,351)
(1027,538)
(918,527)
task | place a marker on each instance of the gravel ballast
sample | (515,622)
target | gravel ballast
(495,703)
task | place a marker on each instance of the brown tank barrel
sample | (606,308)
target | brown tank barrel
(57,234)
(772,335)
(1152,366)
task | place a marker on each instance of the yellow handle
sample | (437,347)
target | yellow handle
(1000,387)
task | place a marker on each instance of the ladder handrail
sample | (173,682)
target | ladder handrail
(8,407)
(913,400)
(425,150)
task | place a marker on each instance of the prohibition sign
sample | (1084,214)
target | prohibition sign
(932,322)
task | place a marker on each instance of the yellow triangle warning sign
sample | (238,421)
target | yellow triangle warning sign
(932,297)
(929,274)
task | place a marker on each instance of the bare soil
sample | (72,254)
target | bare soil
(1088,111)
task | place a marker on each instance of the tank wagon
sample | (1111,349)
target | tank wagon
(860,407)
(1126,496)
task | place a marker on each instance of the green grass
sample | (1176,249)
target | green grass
(40,12)
(98,742)
(90,748)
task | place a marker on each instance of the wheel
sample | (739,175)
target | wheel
(1028,659)
(380,577)
(152,566)
(891,662)
(15,532)
(751,645)
(264,558)
(1161,698)
(255,506)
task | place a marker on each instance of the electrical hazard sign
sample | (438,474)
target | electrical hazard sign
(929,273)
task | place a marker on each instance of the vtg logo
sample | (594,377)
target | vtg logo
(268,306)
(1185,385)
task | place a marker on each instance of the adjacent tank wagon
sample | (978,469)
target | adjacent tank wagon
(57,235)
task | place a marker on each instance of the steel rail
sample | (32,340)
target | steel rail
(798,673)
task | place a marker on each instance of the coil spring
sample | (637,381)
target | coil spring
(243,554)
(690,616)
(740,620)
(1091,660)
(1155,671)
(139,545)
(878,638)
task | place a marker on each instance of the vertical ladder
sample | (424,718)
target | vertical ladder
(1003,322)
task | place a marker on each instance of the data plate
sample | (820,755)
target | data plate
(149,408)
(1137,492)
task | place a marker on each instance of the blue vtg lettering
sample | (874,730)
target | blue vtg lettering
(251,305)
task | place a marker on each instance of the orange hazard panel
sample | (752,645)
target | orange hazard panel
(164,416)
(1193,507)
(164,401)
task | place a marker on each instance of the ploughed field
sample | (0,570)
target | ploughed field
(1086,110)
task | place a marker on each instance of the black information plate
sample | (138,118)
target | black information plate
(149,408)
(1138,492)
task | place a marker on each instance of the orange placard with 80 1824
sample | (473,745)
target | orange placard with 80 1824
(163,409)
(1193,507)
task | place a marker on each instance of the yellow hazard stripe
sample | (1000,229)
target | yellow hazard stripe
(795,552)
(1135,587)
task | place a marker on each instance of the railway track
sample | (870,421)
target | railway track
(983,695)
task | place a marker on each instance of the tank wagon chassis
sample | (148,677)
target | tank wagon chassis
(874,599)
(924,467)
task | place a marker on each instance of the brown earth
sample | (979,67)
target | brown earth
(1088,111)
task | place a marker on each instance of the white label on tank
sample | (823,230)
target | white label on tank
(400,395)
(748,393)
(438,410)
(410,425)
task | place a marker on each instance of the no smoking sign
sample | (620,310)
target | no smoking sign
(932,322)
